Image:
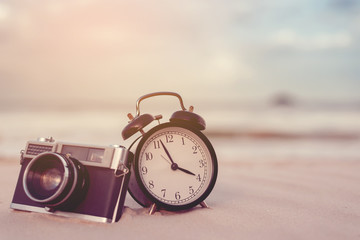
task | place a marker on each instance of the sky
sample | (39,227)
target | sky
(115,51)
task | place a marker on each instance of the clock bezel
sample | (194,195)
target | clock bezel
(213,175)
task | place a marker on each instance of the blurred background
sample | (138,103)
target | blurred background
(273,79)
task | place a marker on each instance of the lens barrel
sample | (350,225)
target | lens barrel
(55,181)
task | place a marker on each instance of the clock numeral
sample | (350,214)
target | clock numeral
(177,195)
(198,178)
(194,148)
(191,190)
(148,156)
(169,138)
(156,144)
(151,184)
(144,170)
(183,140)
(202,163)
(163,191)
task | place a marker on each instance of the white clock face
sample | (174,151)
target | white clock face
(175,166)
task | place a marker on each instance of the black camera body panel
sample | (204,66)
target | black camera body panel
(102,201)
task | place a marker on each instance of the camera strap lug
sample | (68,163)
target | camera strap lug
(124,170)
(22,152)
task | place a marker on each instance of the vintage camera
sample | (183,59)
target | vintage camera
(73,180)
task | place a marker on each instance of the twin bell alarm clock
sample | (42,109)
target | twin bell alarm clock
(175,166)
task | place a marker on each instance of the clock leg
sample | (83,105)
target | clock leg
(203,204)
(152,209)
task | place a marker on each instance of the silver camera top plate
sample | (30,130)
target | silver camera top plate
(91,155)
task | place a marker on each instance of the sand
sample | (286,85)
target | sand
(273,199)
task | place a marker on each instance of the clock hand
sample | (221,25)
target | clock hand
(165,159)
(167,152)
(185,171)
(174,166)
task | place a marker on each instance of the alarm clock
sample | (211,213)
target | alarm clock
(175,166)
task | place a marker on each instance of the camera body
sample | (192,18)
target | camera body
(73,180)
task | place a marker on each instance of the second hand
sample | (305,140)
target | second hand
(165,159)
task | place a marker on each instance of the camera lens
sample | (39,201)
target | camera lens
(54,180)
(50,179)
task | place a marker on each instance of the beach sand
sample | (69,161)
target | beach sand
(273,199)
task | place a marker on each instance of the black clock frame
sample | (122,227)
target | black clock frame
(213,176)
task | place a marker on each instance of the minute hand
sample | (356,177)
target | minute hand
(167,152)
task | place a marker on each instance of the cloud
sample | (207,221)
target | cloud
(344,5)
(4,12)
(119,47)
(109,48)
(288,38)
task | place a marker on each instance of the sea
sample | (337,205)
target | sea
(239,132)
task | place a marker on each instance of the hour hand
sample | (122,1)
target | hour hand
(185,171)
